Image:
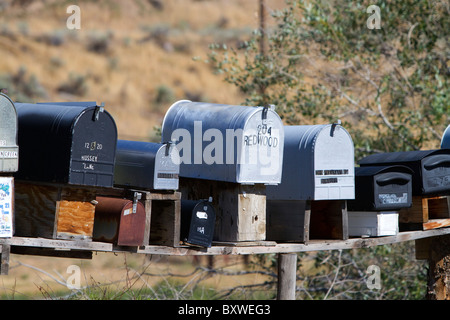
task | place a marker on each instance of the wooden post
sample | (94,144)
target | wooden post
(287,274)
(439,269)
(4,259)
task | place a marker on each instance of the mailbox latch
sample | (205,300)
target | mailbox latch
(137,196)
(97,111)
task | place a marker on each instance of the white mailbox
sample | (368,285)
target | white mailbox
(318,164)
(238,144)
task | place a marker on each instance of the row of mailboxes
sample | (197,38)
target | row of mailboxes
(76,143)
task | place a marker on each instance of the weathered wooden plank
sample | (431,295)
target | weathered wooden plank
(53,211)
(425,208)
(165,222)
(288,220)
(436,223)
(75,213)
(313,245)
(4,259)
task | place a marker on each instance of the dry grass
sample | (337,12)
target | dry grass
(146,48)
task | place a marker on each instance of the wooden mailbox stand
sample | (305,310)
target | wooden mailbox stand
(163,223)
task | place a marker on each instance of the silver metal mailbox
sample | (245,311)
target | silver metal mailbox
(445,143)
(318,164)
(239,144)
(9,151)
(146,165)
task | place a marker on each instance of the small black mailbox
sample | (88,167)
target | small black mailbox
(431,168)
(382,188)
(70,143)
(197,222)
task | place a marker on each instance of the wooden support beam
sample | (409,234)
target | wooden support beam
(439,269)
(287,275)
(4,259)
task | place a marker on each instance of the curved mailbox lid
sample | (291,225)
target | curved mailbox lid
(9,150)
(318,164)
(67,143)
(431,168)
(445,143)
(146,165)
(382,188)
(197,222)
(238,144)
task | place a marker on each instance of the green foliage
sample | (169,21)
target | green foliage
(389,87)
(322,62)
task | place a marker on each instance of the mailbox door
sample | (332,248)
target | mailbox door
(393,190)
(9,151)
(94,141)
(166,168)
(436,174)
(334,164)
(197,222)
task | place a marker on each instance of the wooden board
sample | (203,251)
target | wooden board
(301,221)
(165,222)
(240,209)
(426,213)
(51,211)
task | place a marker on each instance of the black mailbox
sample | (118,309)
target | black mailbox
(380,188)
(197,222)
(431,168)
(70,143)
